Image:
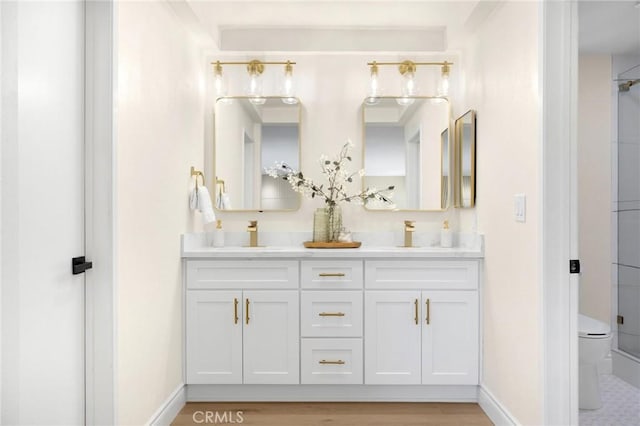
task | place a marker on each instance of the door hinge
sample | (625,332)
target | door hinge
(80,265)
(574,266)
(620,320)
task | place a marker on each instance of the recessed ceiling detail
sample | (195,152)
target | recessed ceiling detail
(333,39)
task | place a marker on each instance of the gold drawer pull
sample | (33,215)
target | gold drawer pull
(331,274)
(235,310)
(331,314)
(428,311)
(338,362)
(246,310)
(416,317)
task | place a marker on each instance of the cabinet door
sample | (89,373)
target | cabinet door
(450,338)
(392,337)
(271,337)
(214,337)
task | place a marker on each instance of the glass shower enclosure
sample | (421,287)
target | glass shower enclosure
(628,212)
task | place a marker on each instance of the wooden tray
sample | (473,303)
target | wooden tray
(332,245)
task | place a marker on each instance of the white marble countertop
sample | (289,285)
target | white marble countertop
(374,245)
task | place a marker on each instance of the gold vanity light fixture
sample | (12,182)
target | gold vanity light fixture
(255,69)
(409,88)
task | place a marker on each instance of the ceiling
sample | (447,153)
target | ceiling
(609,27)
(324,25)
(606,27)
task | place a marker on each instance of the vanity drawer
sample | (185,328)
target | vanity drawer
(332,274)
(421,275)
(331,313)
(331,361)
(243,274)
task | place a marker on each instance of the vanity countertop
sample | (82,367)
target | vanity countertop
(194,246)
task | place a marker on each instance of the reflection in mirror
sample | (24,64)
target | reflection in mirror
(465,128)
(403,147)
(444,140)
(248,140)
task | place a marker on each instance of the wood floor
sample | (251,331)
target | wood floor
(331,413)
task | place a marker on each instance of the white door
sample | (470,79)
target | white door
(271,337)
(450,338)
(214,337)
(43,305)
(392,337)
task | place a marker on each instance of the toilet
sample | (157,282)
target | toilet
(594,342)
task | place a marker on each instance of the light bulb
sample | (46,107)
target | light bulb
(408,87)
(219,81)
(255,69)
(443,89)
(288,87)
(374,87)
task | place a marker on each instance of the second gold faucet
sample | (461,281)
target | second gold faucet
(252,229)
(409,227)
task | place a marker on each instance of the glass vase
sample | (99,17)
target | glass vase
(320,226)
(334,222)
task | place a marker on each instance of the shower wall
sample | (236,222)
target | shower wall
(627,207)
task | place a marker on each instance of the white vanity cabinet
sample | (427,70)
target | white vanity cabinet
(339,324)
(243,335)
(416,336)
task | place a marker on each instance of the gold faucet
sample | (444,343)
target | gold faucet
(409,227)
(252,229)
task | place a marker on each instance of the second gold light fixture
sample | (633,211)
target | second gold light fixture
(254,90)
(408,88)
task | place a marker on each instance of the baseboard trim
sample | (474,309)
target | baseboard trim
(170,408)
(626,367)
(331,393)
(498,414)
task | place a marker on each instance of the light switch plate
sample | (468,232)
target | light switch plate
(520,207)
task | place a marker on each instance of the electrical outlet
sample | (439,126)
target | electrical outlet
(520,207)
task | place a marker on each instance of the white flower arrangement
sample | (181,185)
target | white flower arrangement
(338,177)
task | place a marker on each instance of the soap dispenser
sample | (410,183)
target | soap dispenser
(218,235)
(446,237)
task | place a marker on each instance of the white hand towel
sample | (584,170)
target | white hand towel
(226,202)
(201,200)
(193,199)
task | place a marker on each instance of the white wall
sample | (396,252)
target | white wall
(594,184)
(501,83)
(160,135)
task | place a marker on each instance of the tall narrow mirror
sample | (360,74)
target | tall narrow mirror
(250,138)
(465,131)
(404,147)
(446,166)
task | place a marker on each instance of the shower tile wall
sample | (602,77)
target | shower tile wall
(627,211)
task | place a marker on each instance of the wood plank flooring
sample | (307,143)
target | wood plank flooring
(331,413)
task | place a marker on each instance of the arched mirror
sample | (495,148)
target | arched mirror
(250,138)
(406,145)
(465,143)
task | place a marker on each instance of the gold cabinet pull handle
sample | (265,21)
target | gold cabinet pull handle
(416,318)
(428,311)
(331,314)
(337,362)
(331,274)
(235,310)
(246,310)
